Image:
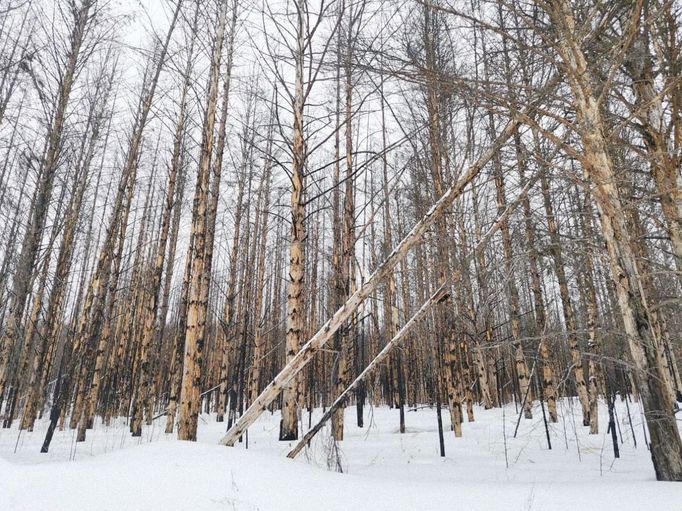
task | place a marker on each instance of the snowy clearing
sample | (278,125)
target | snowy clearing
(382,469)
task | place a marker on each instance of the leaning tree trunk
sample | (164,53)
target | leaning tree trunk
(46,336)
(38,215)
(665,164)
(666,446)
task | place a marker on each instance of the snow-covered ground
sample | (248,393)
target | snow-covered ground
(382,469)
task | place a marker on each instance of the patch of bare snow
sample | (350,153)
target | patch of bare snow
(382,469)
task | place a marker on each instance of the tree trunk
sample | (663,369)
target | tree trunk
(197,304)
(666,446)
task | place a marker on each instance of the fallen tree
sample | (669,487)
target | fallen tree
(439,296)
(413,238)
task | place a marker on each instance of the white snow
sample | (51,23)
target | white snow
(382,469)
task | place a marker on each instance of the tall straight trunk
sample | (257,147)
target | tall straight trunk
(9,164)
(466,303)
(548,383)
(172,247)
(295,286)
(258,337)
(217,164)
(101,332)
(485,362)
(347,264)
(641,252)
(231,342)
(242,314)
(664,159)
(97,344)
(177,351)
(56,324)
(213,210)
(11,74)
(391,311)
(142,396)
(337,287)
(525,385)
(54,306)
(444,322)
(512,294)
(197,304)
(150,305)
(566,302)
(588,288)
(123,361)
(226,339)
(162,359)
(17,383)
(12,231)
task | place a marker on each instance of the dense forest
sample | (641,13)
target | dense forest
(231,207)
